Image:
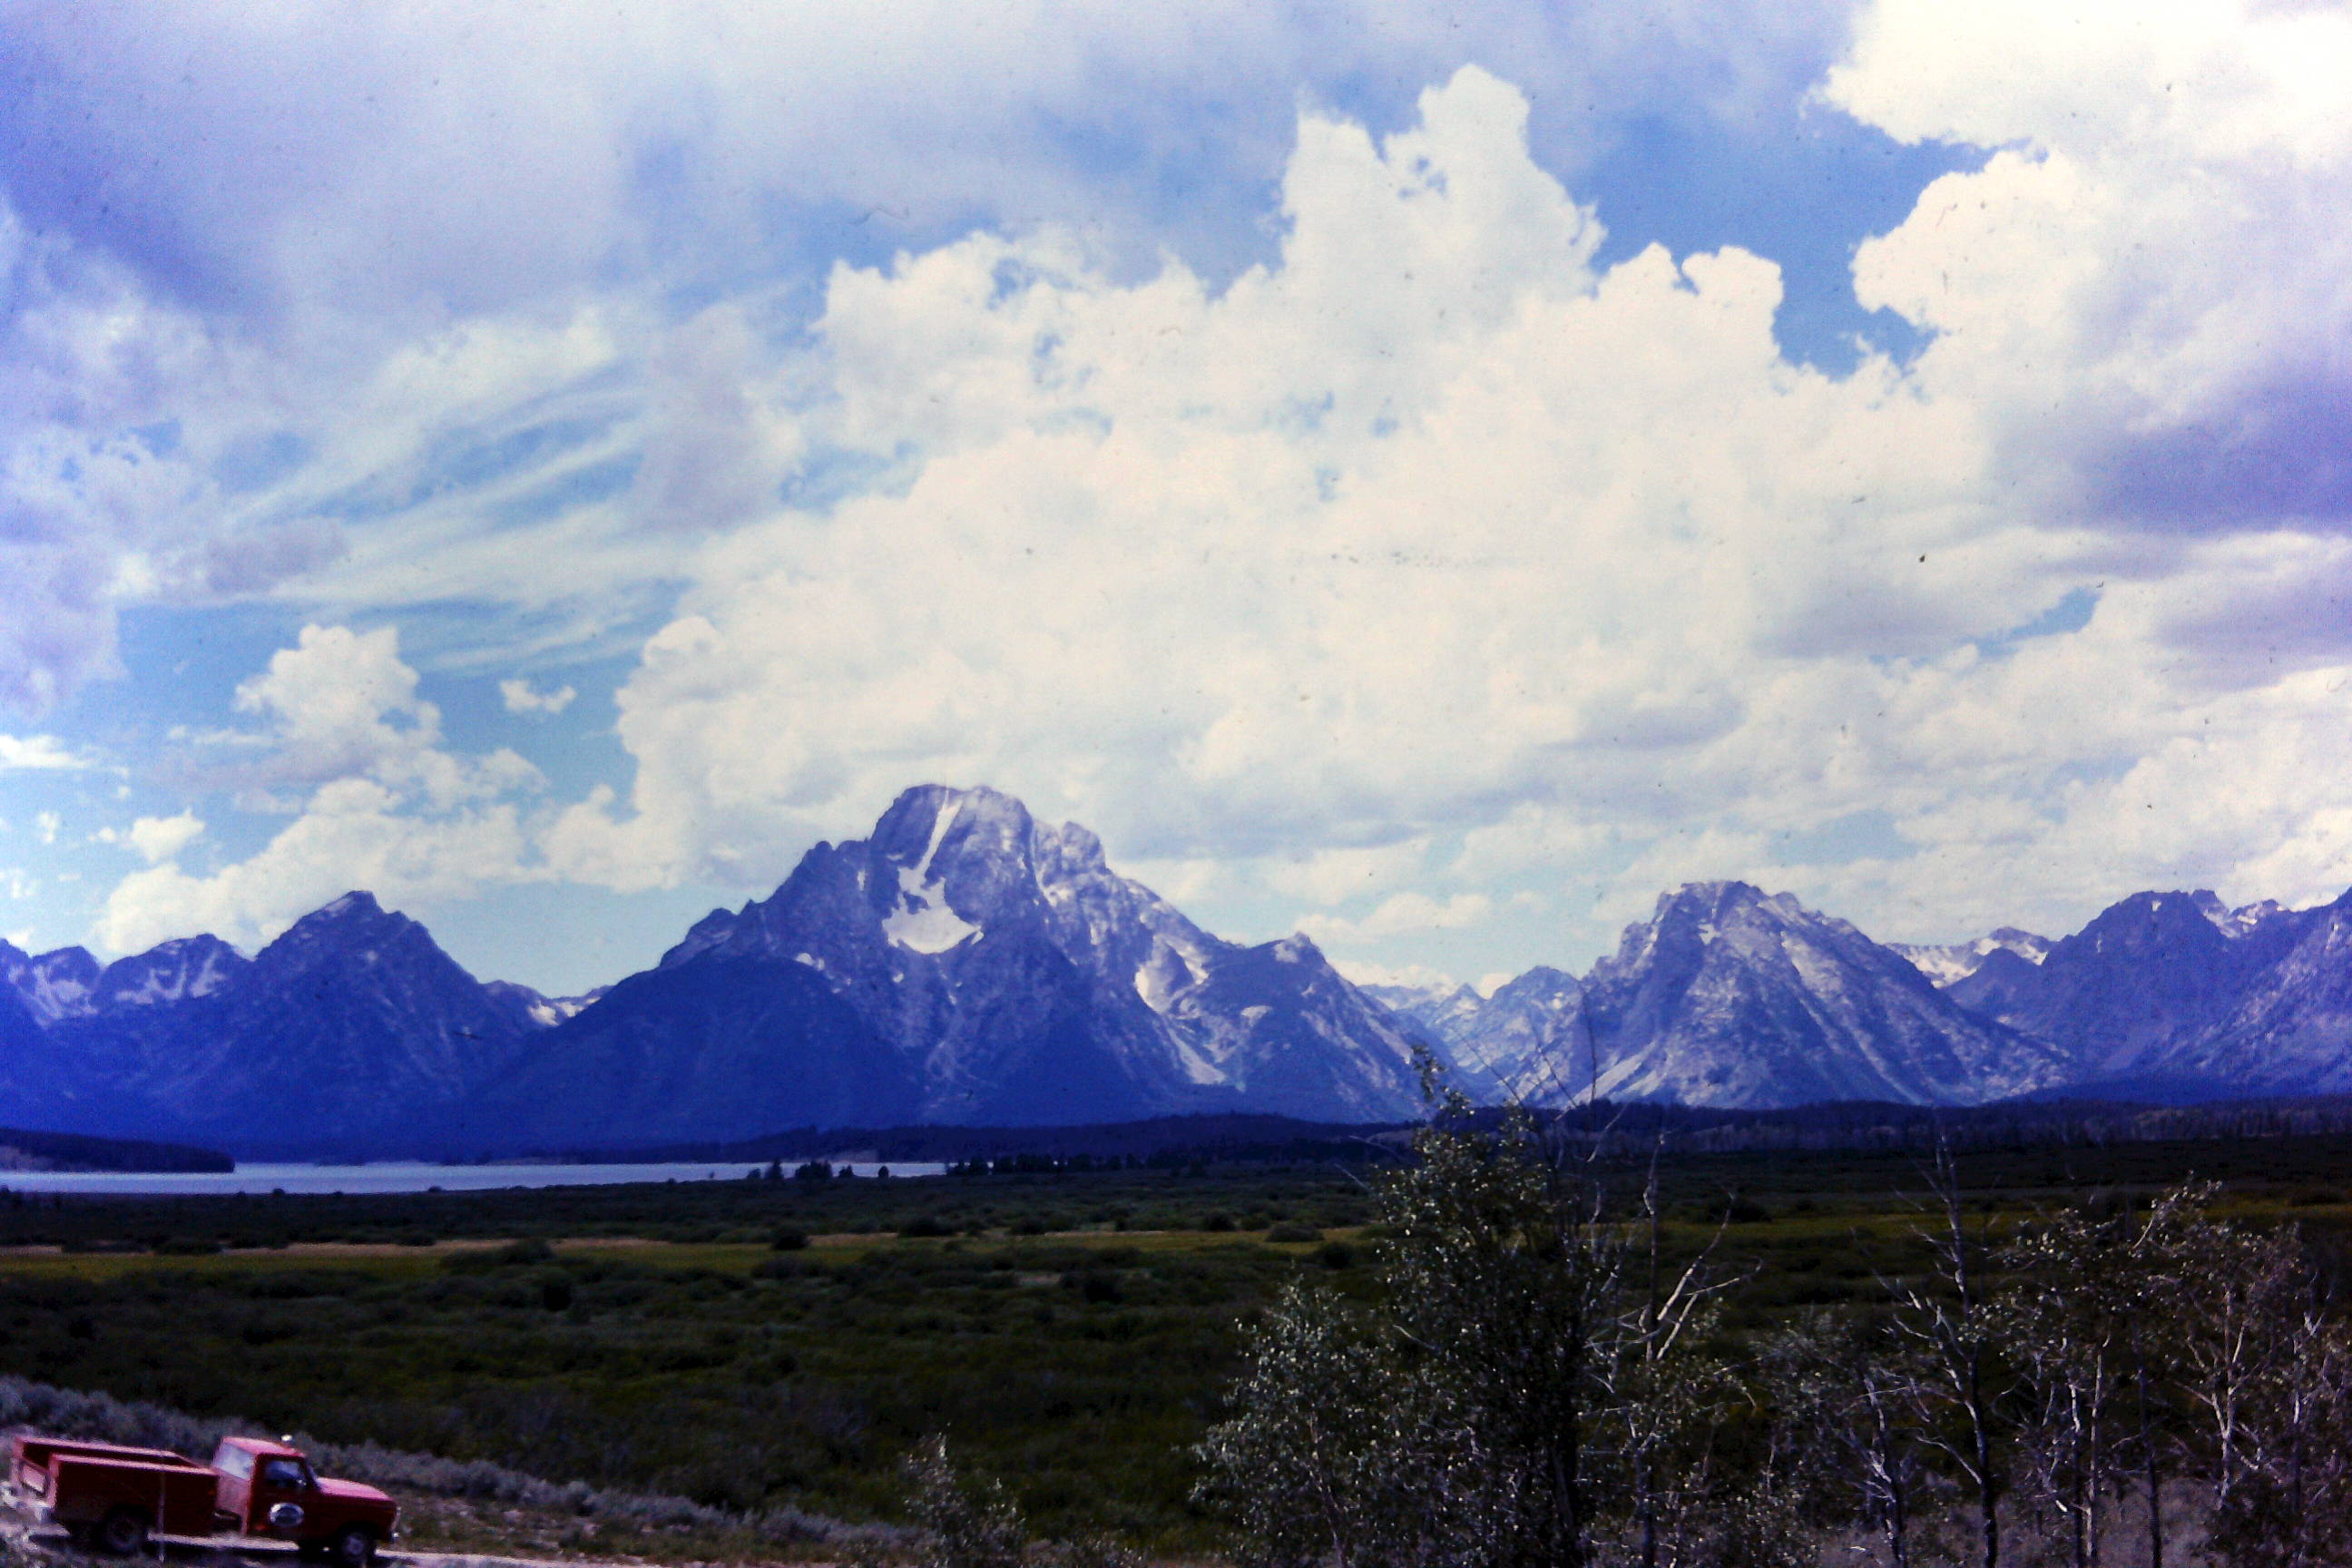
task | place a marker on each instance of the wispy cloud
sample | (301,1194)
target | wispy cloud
(39,753)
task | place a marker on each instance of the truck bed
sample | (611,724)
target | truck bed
(81,1483)
(35,1456)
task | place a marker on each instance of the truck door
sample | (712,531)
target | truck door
(278,1479)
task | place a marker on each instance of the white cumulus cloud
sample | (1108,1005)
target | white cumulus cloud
(159,838)
(521,697)
(354,833)
(384,808)
(1430,557)
(1431,526)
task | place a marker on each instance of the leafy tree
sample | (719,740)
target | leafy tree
(1342,1453)
(1520,1396)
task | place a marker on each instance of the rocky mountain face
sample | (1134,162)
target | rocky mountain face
(1525,1043)
(54,985)
(2288,1030)
(1728,997)
(966,964)
(351,1030)
(2177,995)
(70,983)
(1732,997)
(24,1053)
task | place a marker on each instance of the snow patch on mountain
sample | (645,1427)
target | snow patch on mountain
(1732,997)
(2242,921)
(1948,964)
(922,921)
(176,971)
(59,984)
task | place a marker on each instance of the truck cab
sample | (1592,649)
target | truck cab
(270,1489)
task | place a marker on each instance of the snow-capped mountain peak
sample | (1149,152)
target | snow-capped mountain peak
(1947,964)
(993,967)
(1733,998)
(2243,921)
(62,984)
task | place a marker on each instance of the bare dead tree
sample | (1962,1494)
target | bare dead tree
(2065,1323)
(1664,1395)
(1844,1395)
(2286,1498)
(1949,1323)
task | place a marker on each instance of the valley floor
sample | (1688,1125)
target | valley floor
(767,1351)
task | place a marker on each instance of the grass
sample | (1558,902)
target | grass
(1070,1333)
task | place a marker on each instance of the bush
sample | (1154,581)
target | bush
(967,1524)
(1098,1286)
(787,1240)
(1290,1233)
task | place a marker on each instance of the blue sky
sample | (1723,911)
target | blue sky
(1433,481)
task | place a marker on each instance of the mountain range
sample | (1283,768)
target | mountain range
(968,965)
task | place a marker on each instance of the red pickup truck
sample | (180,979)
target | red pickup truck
(114,1496)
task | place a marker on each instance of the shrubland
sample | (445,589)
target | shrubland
(1501,1350)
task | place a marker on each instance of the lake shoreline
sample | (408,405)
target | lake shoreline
(406,1177)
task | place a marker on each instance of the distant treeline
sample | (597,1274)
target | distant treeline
(23,1150)
(1884,1128)
(1867,1126)
(1162,1141)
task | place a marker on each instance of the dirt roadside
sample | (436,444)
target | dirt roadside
(21,1541)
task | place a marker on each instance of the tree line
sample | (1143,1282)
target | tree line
(1534,1383)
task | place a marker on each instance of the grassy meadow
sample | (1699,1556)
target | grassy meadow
(758,1344)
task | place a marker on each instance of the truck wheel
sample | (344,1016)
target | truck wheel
(122,1533)
(353,1547)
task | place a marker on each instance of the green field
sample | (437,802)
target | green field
(1069,1331)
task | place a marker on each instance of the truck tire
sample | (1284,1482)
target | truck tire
(353,1546)
(122,1533)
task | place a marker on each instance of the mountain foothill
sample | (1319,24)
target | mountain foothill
(968,965)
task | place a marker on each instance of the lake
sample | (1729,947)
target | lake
(397,1177)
